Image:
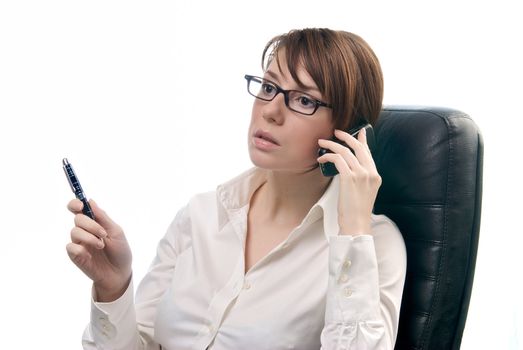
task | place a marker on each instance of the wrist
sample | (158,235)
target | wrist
(107,294)
(352,233)
(355,229)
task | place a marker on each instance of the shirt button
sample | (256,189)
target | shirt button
(343,279)
(347,292)
(347,264)
(246,285)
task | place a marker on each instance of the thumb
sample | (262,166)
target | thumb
(101,217)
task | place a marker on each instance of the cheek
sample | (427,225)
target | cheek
(257,106)
(254,111)
(323,130)
(309,140)
(325,135)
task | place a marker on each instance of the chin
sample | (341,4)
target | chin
(278,165)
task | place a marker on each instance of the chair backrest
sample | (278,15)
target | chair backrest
(431,161)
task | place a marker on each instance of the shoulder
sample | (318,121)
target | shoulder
(203,199)
(180,230)
(200,206)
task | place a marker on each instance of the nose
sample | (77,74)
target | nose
(273,111)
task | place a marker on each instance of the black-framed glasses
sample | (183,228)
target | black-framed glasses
(295,100)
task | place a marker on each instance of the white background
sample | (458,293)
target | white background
(148,101)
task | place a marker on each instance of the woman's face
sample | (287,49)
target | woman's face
(295,136)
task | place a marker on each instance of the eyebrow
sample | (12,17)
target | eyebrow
(302,86)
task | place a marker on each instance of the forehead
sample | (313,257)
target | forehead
(279,70)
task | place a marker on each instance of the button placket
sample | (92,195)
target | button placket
(237,285)
(107,329)
(210,327)
(346,264)
(344,277)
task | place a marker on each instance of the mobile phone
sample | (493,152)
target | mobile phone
(328,168)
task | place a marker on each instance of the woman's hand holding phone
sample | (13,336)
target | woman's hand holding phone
(99,248)
(359,181)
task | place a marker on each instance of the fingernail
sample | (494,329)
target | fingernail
(100,244)
(103,233)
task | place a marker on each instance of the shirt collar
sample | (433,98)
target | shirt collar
(329,204)
(236,194)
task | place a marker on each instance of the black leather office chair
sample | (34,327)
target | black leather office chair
(431,160)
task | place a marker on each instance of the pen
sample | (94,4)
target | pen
(77,188)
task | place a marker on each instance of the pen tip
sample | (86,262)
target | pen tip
(65,161)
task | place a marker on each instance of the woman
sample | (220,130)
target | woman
(281,257)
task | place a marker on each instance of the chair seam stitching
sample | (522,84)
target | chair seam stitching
(445,226)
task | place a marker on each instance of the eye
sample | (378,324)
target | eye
(306,101)
(268,89)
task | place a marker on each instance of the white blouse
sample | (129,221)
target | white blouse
(316,289)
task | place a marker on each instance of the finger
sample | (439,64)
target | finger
(87,224)
(78,254)
(362,138)
(350,140)
(80,236)
(361,149)
(334,146)
(75,206)
(339,162)
(102,218)
(342,150)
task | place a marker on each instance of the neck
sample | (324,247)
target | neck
(287,197)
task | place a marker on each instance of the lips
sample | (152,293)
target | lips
(266,136)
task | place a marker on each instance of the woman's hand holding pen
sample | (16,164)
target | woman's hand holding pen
(359,181)
(99,248)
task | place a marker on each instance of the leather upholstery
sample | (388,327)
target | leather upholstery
(431,160)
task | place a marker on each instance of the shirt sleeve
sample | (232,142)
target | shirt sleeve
(366,278)
(128,322)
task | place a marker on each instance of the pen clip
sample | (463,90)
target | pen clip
(69,179)
(69,174)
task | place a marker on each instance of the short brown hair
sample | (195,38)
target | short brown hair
(343,66)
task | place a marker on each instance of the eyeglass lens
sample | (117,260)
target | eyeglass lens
(295,100)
